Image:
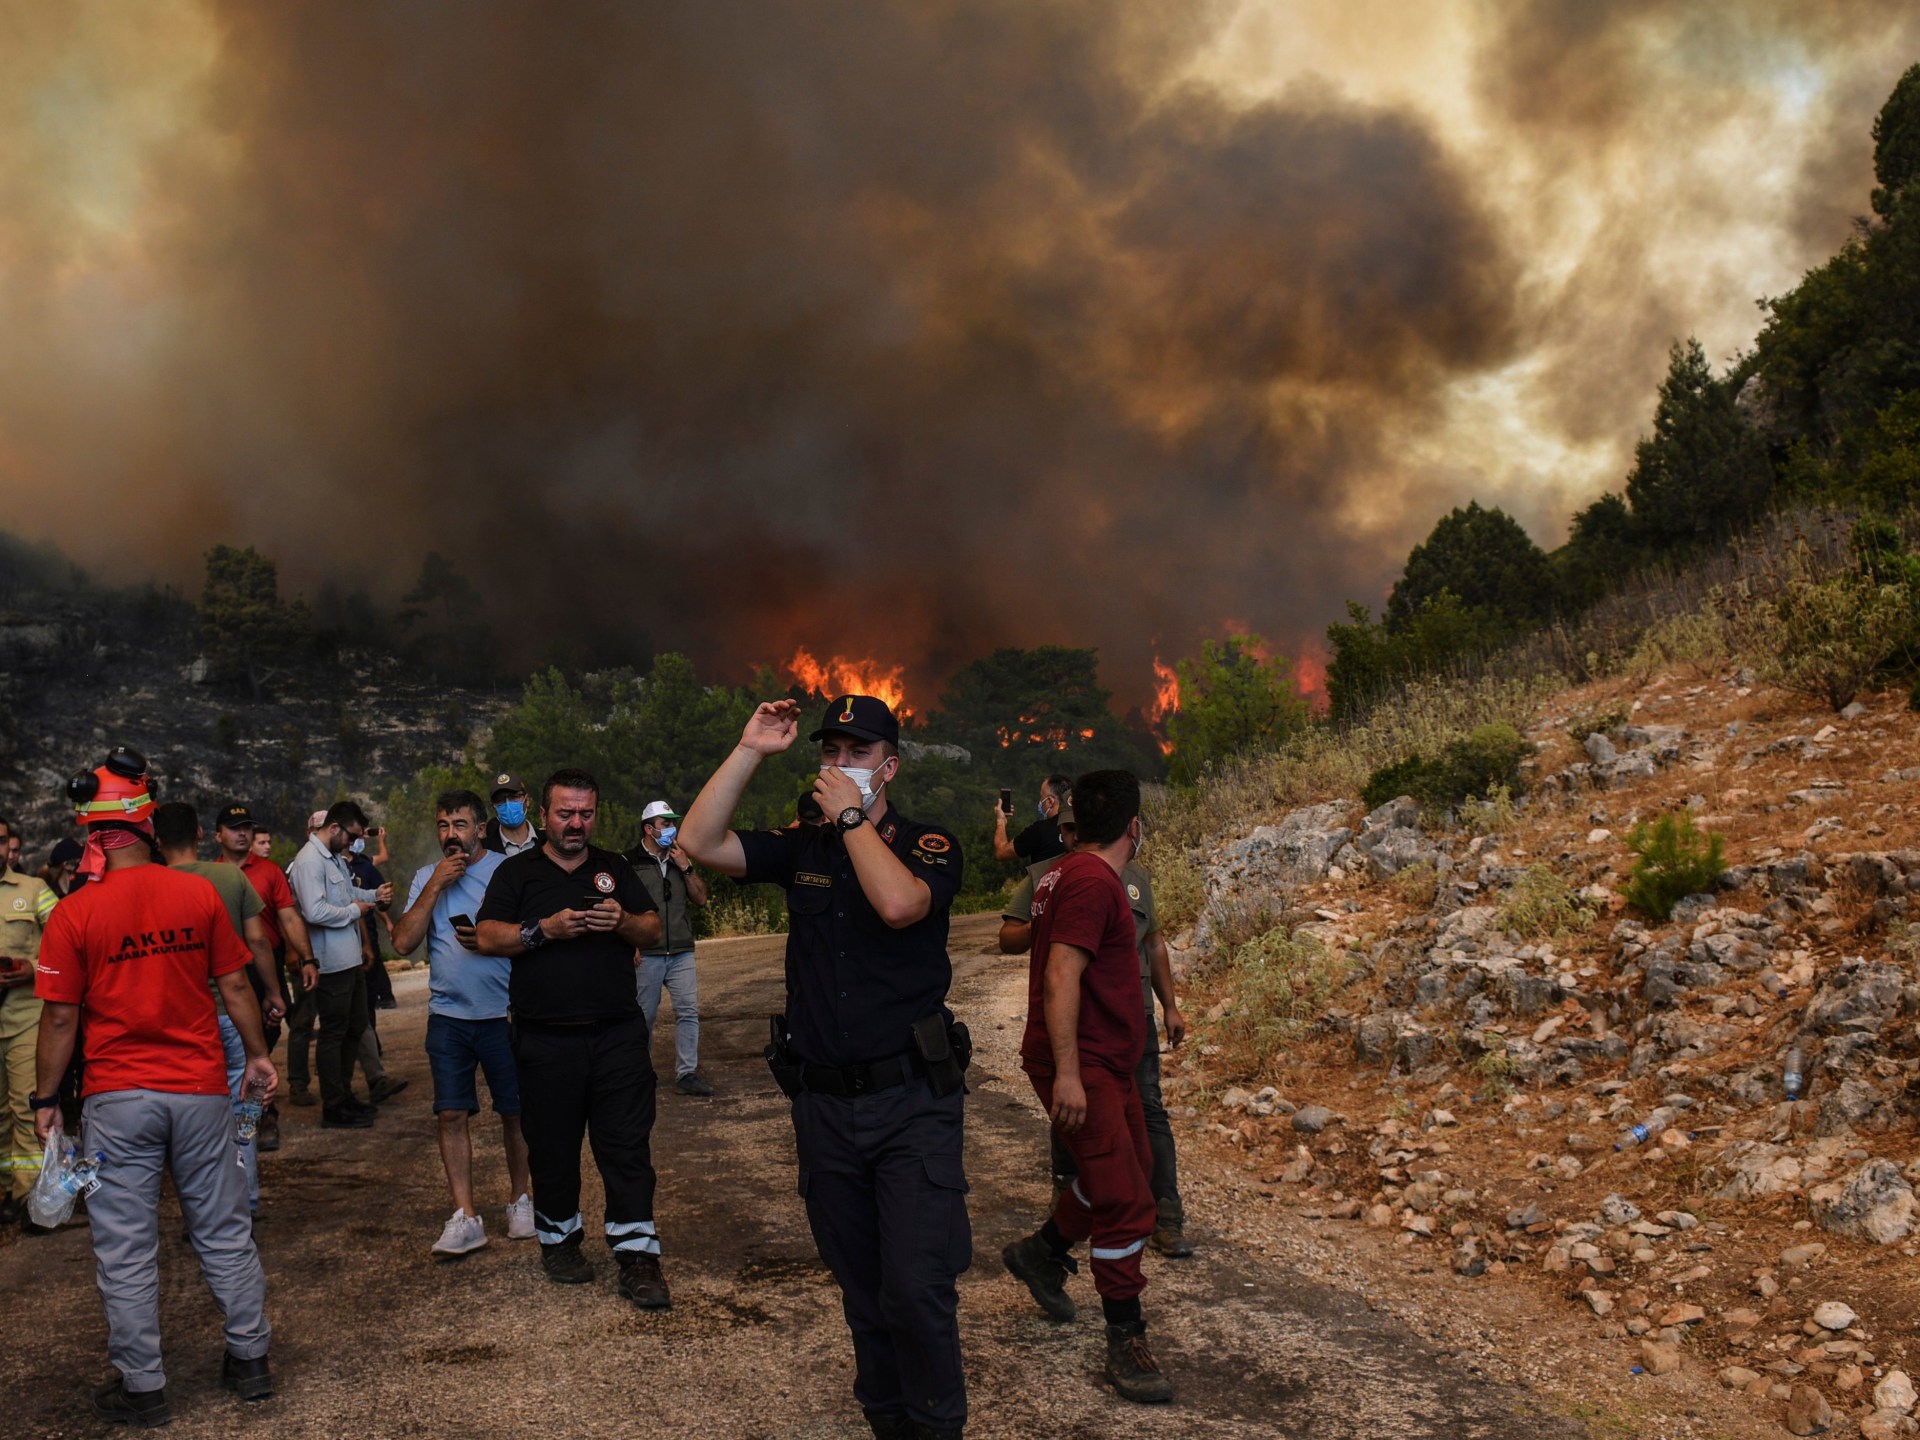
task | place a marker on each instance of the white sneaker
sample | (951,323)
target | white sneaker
(464,1233)
(520,1219)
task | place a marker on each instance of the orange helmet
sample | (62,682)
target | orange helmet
(119,790)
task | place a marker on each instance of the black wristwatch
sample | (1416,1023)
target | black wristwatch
(34,1102)
(852,817)
(532,937)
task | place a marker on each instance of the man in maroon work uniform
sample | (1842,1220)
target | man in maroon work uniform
(1086,1032)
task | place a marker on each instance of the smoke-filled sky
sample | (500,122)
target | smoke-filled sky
(906,327)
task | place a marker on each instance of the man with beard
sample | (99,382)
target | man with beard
(867,1050)
(571,917)
(333,907)
(466,1017)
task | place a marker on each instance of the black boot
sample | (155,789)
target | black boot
(890,1424)
(1033,1262)
(934,1432)
(1131,1367)
(565,1265)
(249,1379)
(146,1409)
(643,1284)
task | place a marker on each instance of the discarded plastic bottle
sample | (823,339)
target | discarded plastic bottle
(1636,1136)
(1796,1077)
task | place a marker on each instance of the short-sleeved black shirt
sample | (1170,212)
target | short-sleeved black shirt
(1039,841)
(567,981)
(855,985)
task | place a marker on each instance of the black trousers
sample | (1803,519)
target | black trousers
(594,1083)
(886,1196)
(342,1004)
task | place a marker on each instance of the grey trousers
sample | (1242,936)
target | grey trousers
(142,1133)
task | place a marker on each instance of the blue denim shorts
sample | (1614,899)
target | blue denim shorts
(455,1048)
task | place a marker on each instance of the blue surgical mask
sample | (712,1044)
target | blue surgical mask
(512,813)
(359,847)
(1042,808)
(668,834)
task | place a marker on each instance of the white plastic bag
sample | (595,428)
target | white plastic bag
(50,1202)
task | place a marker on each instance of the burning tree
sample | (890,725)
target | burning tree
(1236,697)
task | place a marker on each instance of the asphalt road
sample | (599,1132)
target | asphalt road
(376,1338)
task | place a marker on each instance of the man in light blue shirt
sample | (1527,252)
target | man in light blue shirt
(332,906)
(466,1017)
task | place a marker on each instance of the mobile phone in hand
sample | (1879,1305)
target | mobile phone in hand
(463,922)
(1006,801)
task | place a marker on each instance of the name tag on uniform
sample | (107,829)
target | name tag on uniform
(805,878)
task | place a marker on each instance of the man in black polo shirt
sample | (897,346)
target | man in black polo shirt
(571,916)
(868,1050)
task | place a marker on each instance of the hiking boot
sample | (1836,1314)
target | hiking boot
(146,1409)
(300,1095)
(10,1211)
(1131,1368)
(643,1284)
(694,1084)
(935,1432)
(890,1425)
(338,1117)
(520,1219)
(1032,1262)
(249,1379)
(267,1140)
(358,1106)
(463,1234)
(1170,1236)
(385,1088)
(565,1265)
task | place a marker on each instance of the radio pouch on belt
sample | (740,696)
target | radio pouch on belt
(786,1069)
(934,1045)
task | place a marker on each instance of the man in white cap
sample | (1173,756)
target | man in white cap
(676,887)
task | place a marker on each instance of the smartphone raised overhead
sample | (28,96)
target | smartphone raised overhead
(1006,801)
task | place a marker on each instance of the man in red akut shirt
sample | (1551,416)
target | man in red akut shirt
(132,948)
(1085,1034)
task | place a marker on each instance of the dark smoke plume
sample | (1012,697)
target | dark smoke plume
(908,328)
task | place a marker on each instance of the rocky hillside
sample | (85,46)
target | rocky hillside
(81,670)
(1508,1075)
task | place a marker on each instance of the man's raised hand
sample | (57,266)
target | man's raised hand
(772,727)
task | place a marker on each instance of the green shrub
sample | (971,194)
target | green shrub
(1470,766)
(1595,720)
(1830,636)
(1541,903)
(1277,984)
(1673,858)
(1418,884)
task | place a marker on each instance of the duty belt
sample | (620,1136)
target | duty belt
(847,1080)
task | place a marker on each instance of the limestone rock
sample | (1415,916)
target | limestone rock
(1808,1412)
(1875,1203)
(1895,1392)
(1312,1119)
(1833,1315)
(1658,1357)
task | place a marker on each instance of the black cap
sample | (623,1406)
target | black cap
(235,817)
(860,716)
(67,852)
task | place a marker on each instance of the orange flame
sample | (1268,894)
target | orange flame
(1166,701)
(844,676)
(1036,730)
(1310,676)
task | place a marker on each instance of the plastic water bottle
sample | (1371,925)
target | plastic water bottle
(1636,1136)
(1795,1078)
(77,1177)
(247,1112)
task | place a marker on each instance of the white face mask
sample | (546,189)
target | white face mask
(869,788)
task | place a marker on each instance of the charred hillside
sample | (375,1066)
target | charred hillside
(83,667)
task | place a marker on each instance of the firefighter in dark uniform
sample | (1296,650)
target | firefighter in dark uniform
(867,1049)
